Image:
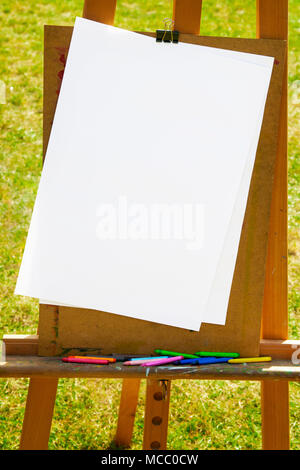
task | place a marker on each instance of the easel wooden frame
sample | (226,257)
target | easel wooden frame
(271,23)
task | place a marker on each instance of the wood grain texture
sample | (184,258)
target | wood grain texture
(127,410)
(187,16)
(117,333)
(48,326)
(36,366)
(156,414)
(38,413)
(272,22)
(280,349)
(26,345)
(275,415)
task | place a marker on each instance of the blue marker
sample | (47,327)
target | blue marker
(204,360)
(149,358)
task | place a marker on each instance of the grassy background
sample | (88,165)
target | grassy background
(203,414)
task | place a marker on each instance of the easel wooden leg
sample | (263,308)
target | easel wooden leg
(127,409)
(100,10)
(187,15)
(275,415)
(38,413)
(156,414)
(272,22)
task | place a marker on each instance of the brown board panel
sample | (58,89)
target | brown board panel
(65,329)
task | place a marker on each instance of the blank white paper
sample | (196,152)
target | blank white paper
(141,125)
(214,311)
(218,296)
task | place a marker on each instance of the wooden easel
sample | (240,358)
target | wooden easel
(45,372)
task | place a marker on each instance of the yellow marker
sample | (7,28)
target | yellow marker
(241,360)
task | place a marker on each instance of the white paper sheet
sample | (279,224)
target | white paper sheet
(142,125)
(214,311)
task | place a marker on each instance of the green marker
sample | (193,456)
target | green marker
(162,352)
(216,354)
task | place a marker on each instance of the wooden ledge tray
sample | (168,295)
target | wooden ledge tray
(35,366)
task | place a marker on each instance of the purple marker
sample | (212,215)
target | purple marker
(161,362)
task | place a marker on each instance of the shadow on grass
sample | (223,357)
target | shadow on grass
(113,446)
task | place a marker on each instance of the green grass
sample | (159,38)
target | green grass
(203,414)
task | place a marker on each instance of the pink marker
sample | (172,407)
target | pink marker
(139,362)
(160,362)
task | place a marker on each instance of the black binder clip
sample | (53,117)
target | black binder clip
(167,34)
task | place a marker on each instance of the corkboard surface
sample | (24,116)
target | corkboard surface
(65,329)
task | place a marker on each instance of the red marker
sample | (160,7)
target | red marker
(84,360)
(109,359)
